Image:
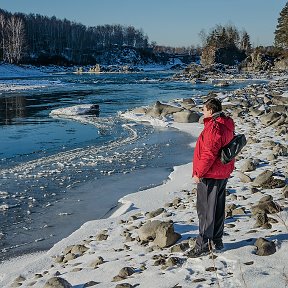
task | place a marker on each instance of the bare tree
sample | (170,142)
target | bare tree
(2,30)
(15,32)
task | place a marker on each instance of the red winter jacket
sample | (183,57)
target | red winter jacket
(206,161)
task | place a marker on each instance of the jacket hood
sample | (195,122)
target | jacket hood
(223,119)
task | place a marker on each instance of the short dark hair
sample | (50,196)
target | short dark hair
(213,104)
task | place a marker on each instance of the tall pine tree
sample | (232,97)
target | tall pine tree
(281,32)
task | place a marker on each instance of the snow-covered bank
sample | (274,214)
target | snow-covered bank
(111,244)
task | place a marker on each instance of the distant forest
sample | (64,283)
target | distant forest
(40,39)
(27,37)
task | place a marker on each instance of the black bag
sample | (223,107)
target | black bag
(231,150)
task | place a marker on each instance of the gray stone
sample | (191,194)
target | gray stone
(20,278)
(69,257)
(268,207)
(101,237)
(262,178)
(59,259)
(280,121)
(280,150)
(186,116)
(160,109)
(68,249)
(79,249)
(165,235)
(90,283)
(124,285)
(255,112)
(265,247)
(148,231)
(243,177)
(176,201)
(270,118)
(172,261)
(274,183)
(181,247)
(279,100)
(285,191)
(155,213)
(126,272)
(98,261)
(266,198)
(262,221)
(139,110)
(248,165)
(238,211)
(279,108)
(57,282)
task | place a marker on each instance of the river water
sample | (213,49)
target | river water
(57,174)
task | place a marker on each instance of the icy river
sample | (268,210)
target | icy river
(58,173)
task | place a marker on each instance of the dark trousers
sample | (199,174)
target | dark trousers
(211,210)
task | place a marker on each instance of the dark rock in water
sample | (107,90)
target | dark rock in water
(94,109)
(265,247)
(57,282)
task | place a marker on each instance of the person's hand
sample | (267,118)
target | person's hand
(196,179)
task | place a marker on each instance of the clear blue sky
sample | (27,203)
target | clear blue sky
(168,22)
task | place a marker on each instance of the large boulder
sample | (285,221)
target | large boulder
(160,109)
(262,178)
(265,247)
(186,116)
(161,233)
(57,282)
(147,232)
(248,165)
(165,235)
(270,118)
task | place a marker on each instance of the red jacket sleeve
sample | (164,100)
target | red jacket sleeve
(210,148)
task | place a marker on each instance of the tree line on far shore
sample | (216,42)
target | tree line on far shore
(28,37)
(40,39)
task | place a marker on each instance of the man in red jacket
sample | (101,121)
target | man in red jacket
(211,176)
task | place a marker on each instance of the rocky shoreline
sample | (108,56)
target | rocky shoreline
(142,248)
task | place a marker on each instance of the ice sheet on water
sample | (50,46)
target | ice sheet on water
(73,110)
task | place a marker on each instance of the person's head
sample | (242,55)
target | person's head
(211,106)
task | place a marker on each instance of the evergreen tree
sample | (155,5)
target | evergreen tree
(281,32)
(245,41)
